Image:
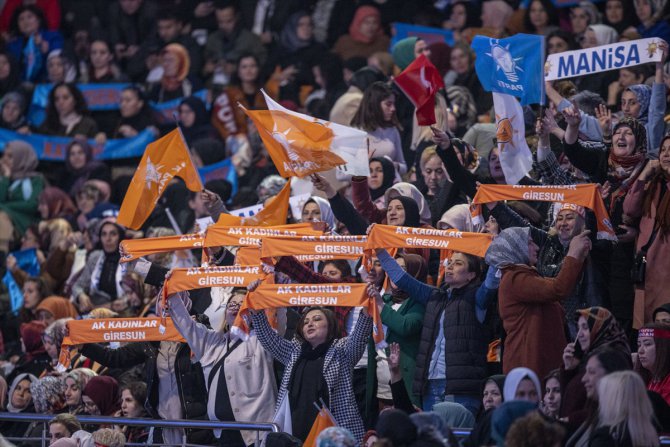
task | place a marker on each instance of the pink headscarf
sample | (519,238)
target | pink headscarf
(363,13)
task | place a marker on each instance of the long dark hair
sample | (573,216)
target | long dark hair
(14,22)
(235,77)
(52,120)
(549,8)
(369,116)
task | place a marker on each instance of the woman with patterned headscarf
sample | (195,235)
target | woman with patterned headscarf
(616,165)
(597,328)
(530,304)
(20,186)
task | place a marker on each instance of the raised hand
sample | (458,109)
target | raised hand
(580,245)
(441,138)
(572,115)
(322,185)
(604,116)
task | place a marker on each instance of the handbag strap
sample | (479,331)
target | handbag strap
(657,226)
(218,364)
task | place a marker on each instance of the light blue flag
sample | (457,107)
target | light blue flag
(513,66)
(27,261)
(33,58)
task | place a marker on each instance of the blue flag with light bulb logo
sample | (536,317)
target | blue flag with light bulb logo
(514,66)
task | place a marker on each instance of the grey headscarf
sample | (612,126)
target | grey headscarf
(455,415)
(270,186)
(24,159)
(11,408)
(509,247)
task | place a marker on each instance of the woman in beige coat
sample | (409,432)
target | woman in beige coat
(240,378)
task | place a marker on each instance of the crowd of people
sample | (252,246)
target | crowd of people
(554,337)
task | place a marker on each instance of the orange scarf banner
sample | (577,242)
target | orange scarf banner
(215,276)
(313,248)
(107,330)
(274,213)
(243,236)
(269,296)
(388,236)
(136,248)
(586,195)
(248,256)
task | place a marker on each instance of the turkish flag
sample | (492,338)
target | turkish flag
(419,82)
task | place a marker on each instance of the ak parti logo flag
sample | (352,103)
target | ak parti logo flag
(272,214)
(420,82)
(301,145)
(163,160)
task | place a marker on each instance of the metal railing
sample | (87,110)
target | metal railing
(143,422)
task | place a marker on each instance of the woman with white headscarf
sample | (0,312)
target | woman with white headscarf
(522,384)
(317,209)
(19,400)
(530,304)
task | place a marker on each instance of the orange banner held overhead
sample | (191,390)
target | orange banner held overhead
(163,160)
(388,236)
(215,276)
(586,195)
(269,296)
(136,248)
(105,330)
(242,236)
(313,248)
(274,213)
(248,256)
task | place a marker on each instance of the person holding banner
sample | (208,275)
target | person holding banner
(239,373)
(455,314)
(619,164)
(318,366)
(530,304)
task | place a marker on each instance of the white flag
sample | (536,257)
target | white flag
(515,157)
(348,143)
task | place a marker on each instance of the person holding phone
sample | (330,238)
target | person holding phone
(597,328)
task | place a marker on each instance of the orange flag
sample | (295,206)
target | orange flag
(248,256)
(162,160)
(274,213)
(586,195)
(298,147)
(323,421)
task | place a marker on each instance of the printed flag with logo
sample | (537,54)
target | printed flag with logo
(513,66)
(515,157)
(324,419)
(301,145)
(162,160)
(274,213)
(420,81)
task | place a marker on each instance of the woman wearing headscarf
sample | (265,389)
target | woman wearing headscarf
(653,16)
(100,282)
(317,209)
(619,163)
(19,400)
(648,202)
(175,82)
(451,357)
(12,113)
(492,398)
(366,35)
(597,328)
(403,319)
(530,304)
(54,308)
(647,105)
(20,186)
(35,359)
(59,68)
(290,64)
(101,396)
(81,166)
(195,121)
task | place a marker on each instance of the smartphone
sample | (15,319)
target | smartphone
(579,352)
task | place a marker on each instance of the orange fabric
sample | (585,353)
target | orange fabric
(115,329)
(387,236)
(298,147)
(323,421)
(586,195)
(313,248)
(58,306)
(215,276)
(274,213)
(162,160)
(136,248)
(243,236)
(269,296)
(248,256)
(444,255)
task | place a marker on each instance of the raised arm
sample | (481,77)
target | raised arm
(343,210)
(460,176)
(360,194)
(415,288)
(486,293)
(280,348)
(657,105)
(357,341)
(198,337)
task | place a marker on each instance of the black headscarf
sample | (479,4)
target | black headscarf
(415,266)
(389,177)
(201,127)
(13,80)
(412,216)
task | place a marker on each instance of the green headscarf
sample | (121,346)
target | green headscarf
(403,52)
